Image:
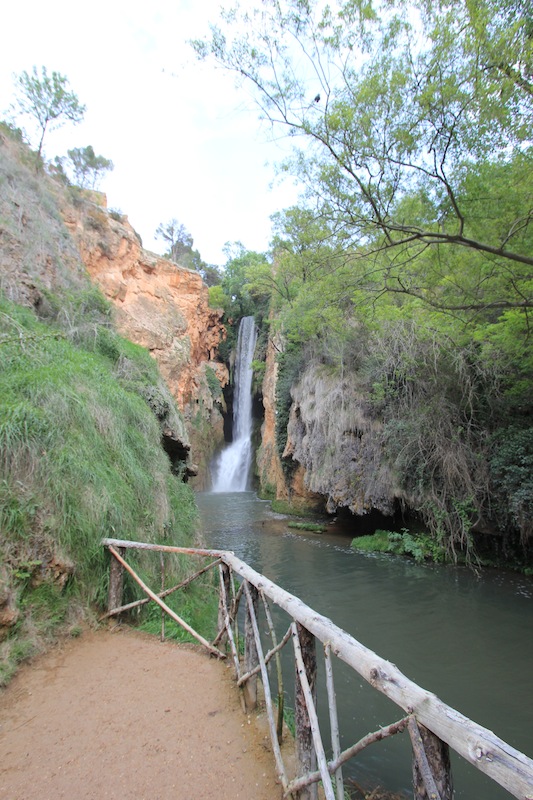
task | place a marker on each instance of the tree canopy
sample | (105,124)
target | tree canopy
(47,100)
(87,168)
(415,128)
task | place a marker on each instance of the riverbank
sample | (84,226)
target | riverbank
(123,715)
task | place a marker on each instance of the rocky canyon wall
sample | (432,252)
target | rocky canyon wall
(332,457)
(163,307)
(57,237)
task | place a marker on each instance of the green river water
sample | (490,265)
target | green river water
(467,638)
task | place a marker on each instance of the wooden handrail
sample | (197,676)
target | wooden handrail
(479,746)
(163,605)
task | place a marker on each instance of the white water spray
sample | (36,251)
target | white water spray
(233,467)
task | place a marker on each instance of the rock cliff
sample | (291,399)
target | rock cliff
(337,442)
(284,484)
(57,237)
(161,306)
(332,457)
(269,467)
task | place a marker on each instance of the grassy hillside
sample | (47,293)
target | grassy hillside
(81,418)
(81,459)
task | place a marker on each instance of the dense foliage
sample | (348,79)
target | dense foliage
(408,262)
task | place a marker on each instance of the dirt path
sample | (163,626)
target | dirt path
(120,715)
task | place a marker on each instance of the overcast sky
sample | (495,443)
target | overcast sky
(184,141)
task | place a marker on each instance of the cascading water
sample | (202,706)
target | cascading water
(233,467)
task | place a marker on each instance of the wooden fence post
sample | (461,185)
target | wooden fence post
(250,651)
(225,581)
(305,751)
(116,581)
(432,778)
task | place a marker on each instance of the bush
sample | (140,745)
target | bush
(217,297)
(511,467)
(11,130)
(213,383)
(420,546)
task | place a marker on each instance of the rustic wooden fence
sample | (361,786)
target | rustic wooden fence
(432,726)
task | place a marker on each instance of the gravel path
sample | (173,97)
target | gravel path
(120,715)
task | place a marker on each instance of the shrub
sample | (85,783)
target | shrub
(420,546)
(512,476)
(213,383)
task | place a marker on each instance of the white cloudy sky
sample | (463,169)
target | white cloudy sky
(184,141)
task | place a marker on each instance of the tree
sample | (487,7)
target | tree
(414,99)
(47,100)
(180,249)
(240,263)
(88,168)
(211,274)
(177,237)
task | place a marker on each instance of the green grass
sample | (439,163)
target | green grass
(377,542)
(420,546)
(80,459)
(308,526)
(289,509)
(197,605)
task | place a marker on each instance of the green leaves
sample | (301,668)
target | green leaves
(87,167)
(47,100)
(412,98)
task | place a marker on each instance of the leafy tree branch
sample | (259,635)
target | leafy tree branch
(47,100)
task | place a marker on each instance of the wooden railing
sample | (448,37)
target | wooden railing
(432,726)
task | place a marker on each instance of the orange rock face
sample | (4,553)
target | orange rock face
(159,304)
(268,461)
(271,475)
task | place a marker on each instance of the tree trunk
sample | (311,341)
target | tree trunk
(305,751)
(431,765)
(116,581)
(250,652)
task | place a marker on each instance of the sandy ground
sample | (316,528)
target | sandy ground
(121,715)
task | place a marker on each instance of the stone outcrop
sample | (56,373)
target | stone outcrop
(333,453)
(283,484)
(332,435)
(269,467)
(161,306)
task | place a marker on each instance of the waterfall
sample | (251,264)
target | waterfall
(233,467)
